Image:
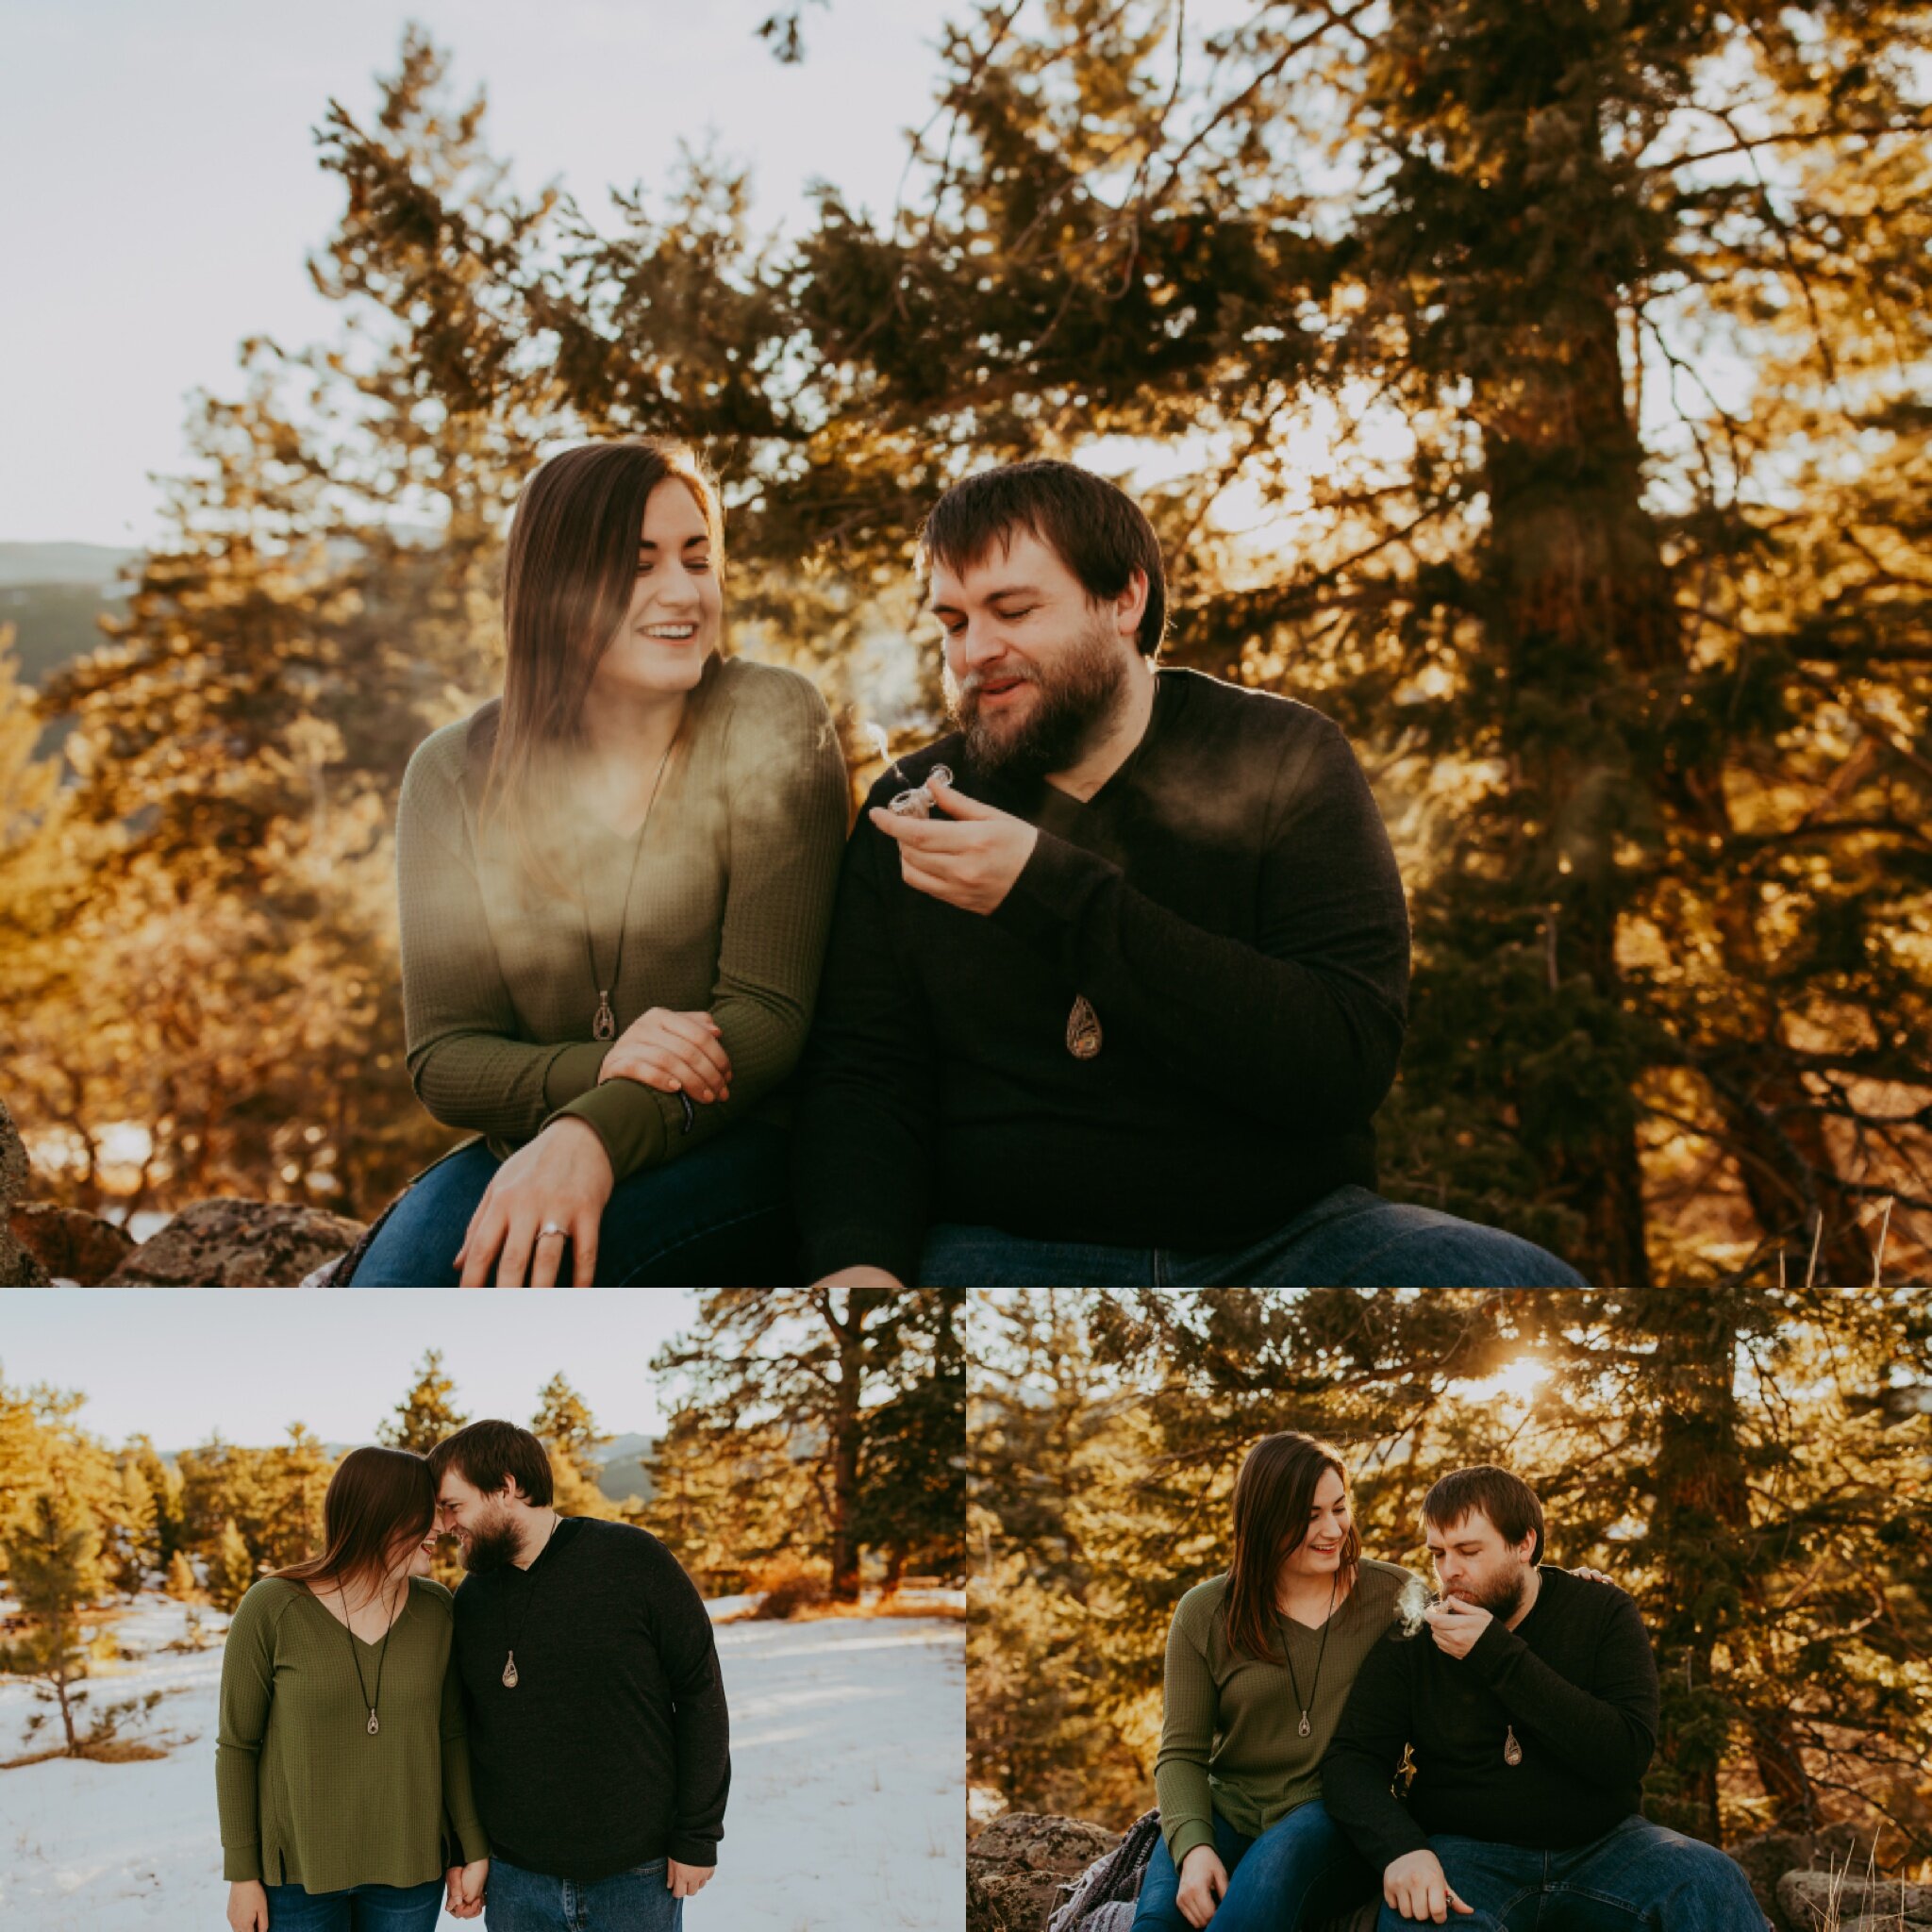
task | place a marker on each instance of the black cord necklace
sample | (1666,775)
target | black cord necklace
(381,1656)
(604,1025)
(509,1658)
(1315,1688)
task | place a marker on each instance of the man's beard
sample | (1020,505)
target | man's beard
(494,1547)
(1502,1598)
(1075,698)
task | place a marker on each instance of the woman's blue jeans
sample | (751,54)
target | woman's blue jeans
(359,1908)
(1301,1870)
(717,1217)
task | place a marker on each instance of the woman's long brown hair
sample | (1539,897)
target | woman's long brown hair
(377,1499)
(568,576)
(1274,1495)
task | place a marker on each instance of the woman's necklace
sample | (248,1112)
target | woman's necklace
(381,1656)
(509,1655)
(604,1023)
(1315,1688)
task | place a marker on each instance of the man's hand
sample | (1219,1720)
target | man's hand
(464,1886)
(1417,1887)
(860,1277)
(564,1177)
(676,1053)
(247,1906)
(686,1879)
(1204,1884)
(1456,1624)
(969,858)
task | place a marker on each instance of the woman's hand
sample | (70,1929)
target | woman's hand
(247,1906)
(684,1880)
(1597,1576)
(1204,1884)
(464,1886)
(676,1053)
(563,1176)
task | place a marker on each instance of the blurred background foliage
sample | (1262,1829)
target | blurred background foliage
(1756,1471)
(1540,390)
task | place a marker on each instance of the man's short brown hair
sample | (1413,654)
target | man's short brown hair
(1098,531)
(1506,1500)
(487,1453)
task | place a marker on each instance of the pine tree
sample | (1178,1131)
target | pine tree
(428,1414)
(181,1583)
(54,1567)
(230,1568)
(563,1422)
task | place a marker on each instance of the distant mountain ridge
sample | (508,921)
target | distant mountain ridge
(95,564)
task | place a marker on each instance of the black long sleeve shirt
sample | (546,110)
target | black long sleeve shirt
(612,1749)
(1575,1680)
(1228,904)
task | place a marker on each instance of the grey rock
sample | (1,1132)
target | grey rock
(231,1243)
(69,1243)
(1807,1900)
(1016,1865)
(19,1267)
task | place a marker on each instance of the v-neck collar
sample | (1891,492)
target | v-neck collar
(402,1611)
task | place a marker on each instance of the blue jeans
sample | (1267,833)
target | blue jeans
(719,1216)
(1301,1867)
(360,1908)
(1349,1239)
(1636,1875)
(635,1901)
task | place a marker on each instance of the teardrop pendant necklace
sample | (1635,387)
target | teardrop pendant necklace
(1512,1750)
(1304,1727)
(509,1655)
(382,1657)
(603,1022)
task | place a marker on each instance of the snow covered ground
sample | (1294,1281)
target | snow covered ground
(847,1795)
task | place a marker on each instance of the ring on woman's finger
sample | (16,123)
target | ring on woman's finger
(551,1227)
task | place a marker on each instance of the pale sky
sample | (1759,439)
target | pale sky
(177,1363)
(159,187)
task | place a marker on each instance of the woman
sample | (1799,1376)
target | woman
(1258,1664)
(616,884)
(341,1766)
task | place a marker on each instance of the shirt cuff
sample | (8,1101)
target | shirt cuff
(239,1863)
(829,1252)
(573,1070)
(692,1851)
(1497,1647)
(1043,903)
(1189,1833)
(472,1837)
(633,1120)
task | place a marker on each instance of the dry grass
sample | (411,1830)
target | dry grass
(111,1751)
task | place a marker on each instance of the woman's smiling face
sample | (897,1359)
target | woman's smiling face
(676,606)
(1318,1552)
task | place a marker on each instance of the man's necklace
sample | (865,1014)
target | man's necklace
(381,1656)
(1315,1688)
(510,1656)
(604,1022)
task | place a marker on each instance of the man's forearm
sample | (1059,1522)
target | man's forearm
(1607,1742)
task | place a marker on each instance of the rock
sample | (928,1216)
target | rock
(1766,1858)
(1809,1899)
(71,1244)
(19,1268)
(228,1243)
(1016,1865)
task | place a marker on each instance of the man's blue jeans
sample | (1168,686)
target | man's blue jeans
(1301,1868)
(719,1216)
(1638,1875)
(356,1909)
(635,1901)
(1349,1239)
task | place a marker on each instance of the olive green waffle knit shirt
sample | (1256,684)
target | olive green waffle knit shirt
(307,1796)
(728,913)
(1230,1730)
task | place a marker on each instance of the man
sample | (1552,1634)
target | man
(1121,1009)
(597,1712)
(1530,1706)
